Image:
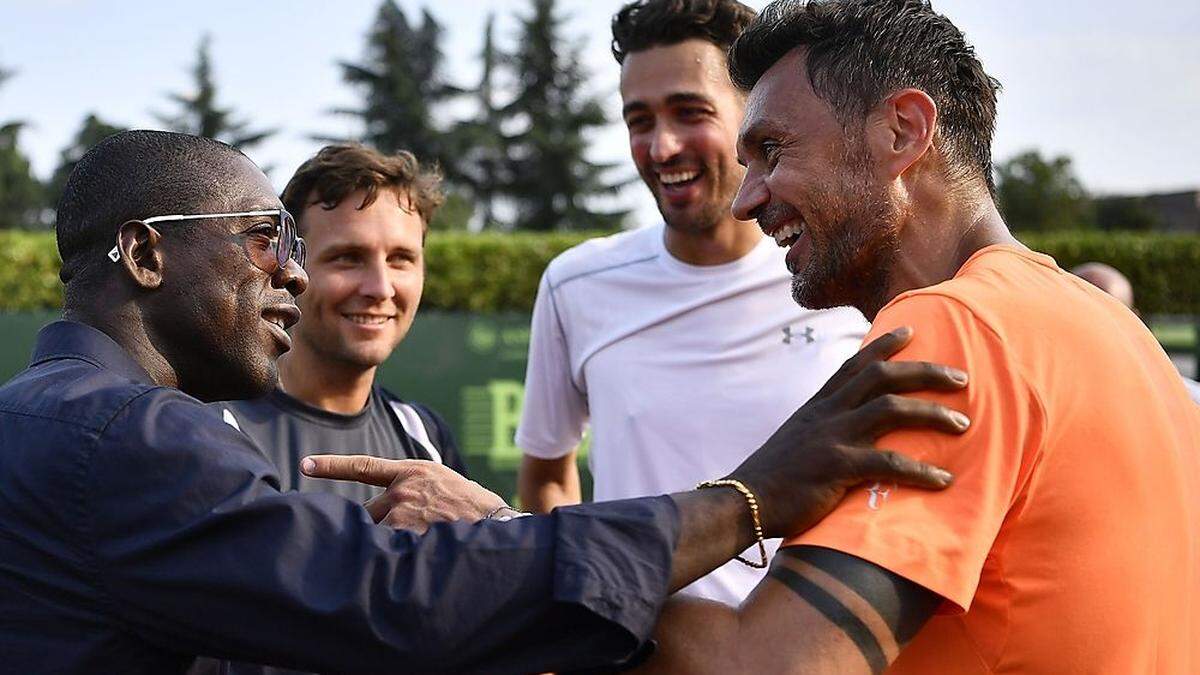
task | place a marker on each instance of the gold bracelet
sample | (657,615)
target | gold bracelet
(753,502)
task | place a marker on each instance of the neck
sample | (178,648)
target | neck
(940,235)
(729,240)
(128,327)
(324,383)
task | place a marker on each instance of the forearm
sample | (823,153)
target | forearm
(715,525)
(817,612)
(702,637)
(544,485)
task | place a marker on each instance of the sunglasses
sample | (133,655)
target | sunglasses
(283,244)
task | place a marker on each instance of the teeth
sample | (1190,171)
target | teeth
(787,232)
(677,177)
(367,319)
(278,322)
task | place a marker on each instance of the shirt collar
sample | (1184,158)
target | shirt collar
(71,339)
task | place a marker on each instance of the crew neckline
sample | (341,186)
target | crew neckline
(751,259)
(312,413)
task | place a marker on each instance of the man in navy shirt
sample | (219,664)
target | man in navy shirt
(138,530)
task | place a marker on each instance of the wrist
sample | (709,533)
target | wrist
(505,513)
(750,504)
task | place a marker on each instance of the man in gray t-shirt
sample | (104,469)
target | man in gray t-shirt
(363,216)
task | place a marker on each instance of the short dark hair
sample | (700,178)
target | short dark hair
(132,175)
(861,51)
(644,24)
(337,171)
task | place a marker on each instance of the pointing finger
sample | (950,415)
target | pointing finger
(359,468)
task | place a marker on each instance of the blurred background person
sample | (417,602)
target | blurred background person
(1111,281)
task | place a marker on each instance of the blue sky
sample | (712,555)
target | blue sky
(1115,85)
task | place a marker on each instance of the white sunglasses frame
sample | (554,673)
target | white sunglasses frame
(115,254)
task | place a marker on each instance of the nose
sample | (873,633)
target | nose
(664,144)
(376,282)
(751,196)
(291,277)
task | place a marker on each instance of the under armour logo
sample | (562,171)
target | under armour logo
(876,495)
(788,335)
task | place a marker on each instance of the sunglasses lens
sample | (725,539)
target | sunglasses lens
(287,238)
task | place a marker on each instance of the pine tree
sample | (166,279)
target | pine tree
(403,87)
(480,142)
(1039,194)
(552,181)
(92,132)
(20,191)
(199,113)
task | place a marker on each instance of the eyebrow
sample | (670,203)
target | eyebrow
(340,247)
(678,98)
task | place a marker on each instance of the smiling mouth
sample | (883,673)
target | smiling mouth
(283,315)
(787,235)
(368,319)
(673,179)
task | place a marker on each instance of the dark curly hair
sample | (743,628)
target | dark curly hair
(861,51)
(644,24)
(339,170)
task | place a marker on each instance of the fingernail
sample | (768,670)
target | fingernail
(902,332)
(307,465)
(958,376)
(961,420)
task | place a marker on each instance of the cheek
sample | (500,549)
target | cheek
(639,150)
(409,287)
(326,289)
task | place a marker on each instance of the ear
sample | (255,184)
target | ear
(138,246)
(900,131)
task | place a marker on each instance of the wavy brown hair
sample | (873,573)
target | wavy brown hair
(339,170)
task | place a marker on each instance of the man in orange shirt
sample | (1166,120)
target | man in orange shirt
(1070,541)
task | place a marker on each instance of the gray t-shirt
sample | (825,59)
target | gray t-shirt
(287,429)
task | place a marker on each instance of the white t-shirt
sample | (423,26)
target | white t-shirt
(682,370)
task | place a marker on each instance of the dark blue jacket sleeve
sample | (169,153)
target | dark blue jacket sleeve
(195,550)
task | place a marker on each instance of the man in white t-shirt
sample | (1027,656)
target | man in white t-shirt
(680,343)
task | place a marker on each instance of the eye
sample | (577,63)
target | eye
(770,152)
(263,234)
(401,260)
(638,123)
(692,113)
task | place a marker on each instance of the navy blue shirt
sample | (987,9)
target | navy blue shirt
(138,530)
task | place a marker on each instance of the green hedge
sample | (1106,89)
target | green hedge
(495,272)
(28,271)
(1163,268)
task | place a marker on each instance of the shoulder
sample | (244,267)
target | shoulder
(167,419)
(71,391)
(603,254)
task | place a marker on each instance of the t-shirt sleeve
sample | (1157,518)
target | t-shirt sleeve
(555,410)
(941,540)
(443,438)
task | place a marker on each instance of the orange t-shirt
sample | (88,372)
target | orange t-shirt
(1070,540)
